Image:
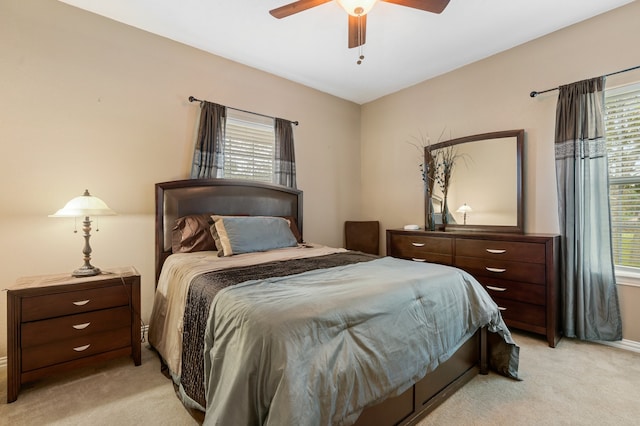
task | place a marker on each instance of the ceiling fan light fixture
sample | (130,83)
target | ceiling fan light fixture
(357,7)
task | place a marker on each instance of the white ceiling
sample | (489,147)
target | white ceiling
(404,46)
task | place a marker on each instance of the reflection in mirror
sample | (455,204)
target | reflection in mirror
(486,183)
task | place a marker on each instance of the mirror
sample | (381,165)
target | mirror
(486,181)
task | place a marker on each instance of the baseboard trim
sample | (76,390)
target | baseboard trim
(629,345)
(144,330)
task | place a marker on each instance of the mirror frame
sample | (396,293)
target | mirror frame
(519,227)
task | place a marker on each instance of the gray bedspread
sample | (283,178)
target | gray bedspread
(376,328)
(205,287)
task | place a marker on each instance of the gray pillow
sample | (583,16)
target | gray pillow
(247,234)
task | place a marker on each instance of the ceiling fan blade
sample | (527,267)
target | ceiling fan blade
(295,7)
(357,30)
(433,6)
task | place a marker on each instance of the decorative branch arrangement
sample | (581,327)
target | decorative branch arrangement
(446,160)
(428,170)
(428,167)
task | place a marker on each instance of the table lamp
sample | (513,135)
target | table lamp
(85,206)
(464,209)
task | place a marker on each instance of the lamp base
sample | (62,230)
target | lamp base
(86,271)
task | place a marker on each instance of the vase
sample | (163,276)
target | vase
(430,215)
(445,212)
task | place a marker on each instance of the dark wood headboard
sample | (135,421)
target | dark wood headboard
(220,196)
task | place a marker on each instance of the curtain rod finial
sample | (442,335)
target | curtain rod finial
(533,94)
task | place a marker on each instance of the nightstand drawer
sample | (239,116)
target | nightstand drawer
(504,250)
(422,248)
(81,325)
(78,347)
(73,302)
(502,269)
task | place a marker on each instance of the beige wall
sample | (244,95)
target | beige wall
(86,102)
(493,95)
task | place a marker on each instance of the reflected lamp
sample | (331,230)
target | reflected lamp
(464,209)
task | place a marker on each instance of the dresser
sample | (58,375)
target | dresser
(519,271)
(57,322)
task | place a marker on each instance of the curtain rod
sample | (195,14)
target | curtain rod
(534,93)
(192,99)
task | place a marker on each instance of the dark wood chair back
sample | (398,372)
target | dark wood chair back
(362,236)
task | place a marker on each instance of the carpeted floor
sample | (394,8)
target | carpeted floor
(577,383)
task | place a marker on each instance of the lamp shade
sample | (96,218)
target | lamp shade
(357,7)
(464,208)
(83,206)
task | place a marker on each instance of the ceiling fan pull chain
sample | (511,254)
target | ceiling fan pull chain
(360,44)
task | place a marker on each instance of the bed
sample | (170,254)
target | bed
(303,333)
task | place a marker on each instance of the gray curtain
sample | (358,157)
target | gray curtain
(588,288)
(208,155)
(285,157)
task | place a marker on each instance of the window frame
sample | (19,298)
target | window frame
(621,270)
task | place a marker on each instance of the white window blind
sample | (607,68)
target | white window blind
(249,146)
(623,147)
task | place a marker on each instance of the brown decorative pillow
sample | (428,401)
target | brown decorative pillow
(192,233)
(294,227)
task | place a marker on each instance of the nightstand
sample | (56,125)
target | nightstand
(57,322)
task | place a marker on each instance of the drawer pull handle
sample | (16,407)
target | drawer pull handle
(496,251)
(81,302)
(499,270)
(415,259)
(417,244)
(81,326)
(490,287)
(82,348)
(500,308)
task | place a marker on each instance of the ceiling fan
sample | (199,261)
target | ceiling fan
(357,10)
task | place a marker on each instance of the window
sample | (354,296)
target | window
(249,146)
(622,120)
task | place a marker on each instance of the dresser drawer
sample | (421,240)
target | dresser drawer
(74,348)
(73,302)
(502,269)
(513,290)
(523,313)
(422,248)
(80,325)
(501,250)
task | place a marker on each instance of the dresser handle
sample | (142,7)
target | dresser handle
(496,251)
(81,302)
(415,259)
(495,269)
(417,244)
(490,287)
(500,308)
(82,348)
(81,326)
